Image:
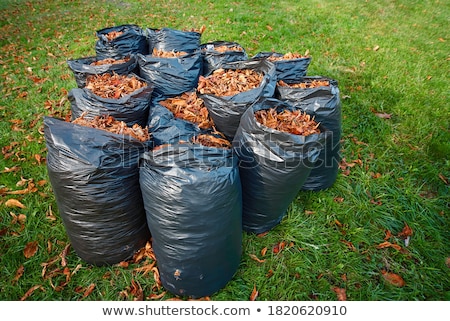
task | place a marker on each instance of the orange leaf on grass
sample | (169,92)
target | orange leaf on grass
(255,258)
(12,202)
(19,274)
(387,244)
(254,294)
(30,249)
(407,231)
(393,278)
(89,290)
(30,292)
(340,293)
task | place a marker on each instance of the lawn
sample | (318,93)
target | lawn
(390,59)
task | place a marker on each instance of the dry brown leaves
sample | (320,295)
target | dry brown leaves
(109,124)
(211,141)
(307,84)
(229,82)
(393,278)
(190,107)
(167,54)
(110,61)
(340,293)
(113,35)
(113,85)
(294,122)
(288,56)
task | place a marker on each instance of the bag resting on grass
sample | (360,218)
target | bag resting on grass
(273,165)
(192,196)
(95,178)
(325,105)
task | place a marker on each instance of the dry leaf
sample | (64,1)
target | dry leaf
(387,244)
(12,202)
(444,179)
(30,249)
(136,291)
(264,251)
(19,273)
(393,278)
(64,254)
(388,235)
(447,262)
(383,115)
(89,290)
(30,292)
(254,294)
(340,293)
(350,245)
(406,231)
(255,258)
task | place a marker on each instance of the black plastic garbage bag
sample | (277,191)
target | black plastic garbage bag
(288,70)
(325,105)
(167,39)
(131,41)
(213,59)
(171,76)
(131,109)
(166,128)
(95,177)
(82,68)
(193,200)
(226,111)
(273,166)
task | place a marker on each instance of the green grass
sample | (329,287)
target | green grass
(388,56)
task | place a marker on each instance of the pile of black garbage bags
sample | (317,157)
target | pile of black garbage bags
(115,193)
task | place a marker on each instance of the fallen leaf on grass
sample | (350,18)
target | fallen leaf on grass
(154,296)
(340,293)
(136,291)
(89,290)
(393,278)
(387,244)
(145,269)
(447,262)
(444,179)
(64,253)
(264,251)
(388,235)
(254,294)
(30,249)
(255,258)
(350,245)
(383,115)
(30,292)
(406,231)
(12,202)
(19,274)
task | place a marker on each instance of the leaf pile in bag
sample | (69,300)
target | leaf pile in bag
(168,54)
(109,124)
(294,122)
(113,86)
(223,82)
(307,84)
(113,35)
(224,48)
(287,56)
(190,107)
(109,61)
(211,141)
